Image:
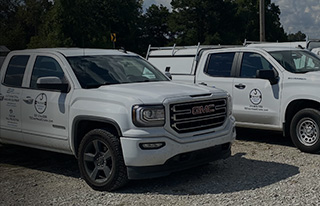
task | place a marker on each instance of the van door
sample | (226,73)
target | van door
(45,111)
(255,100)
(10,99)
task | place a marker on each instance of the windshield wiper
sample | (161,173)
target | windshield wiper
(92,86)
(97,85)
(307,71)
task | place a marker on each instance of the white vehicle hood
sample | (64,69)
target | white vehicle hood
(315,75)
(157,92)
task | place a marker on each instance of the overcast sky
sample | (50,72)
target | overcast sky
(296,15)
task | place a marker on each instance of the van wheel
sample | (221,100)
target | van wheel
(101,162)
(305,130)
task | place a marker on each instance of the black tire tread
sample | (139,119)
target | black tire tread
(121,177)
(315,115)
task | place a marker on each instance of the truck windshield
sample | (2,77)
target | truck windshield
(297,61)
(95,71)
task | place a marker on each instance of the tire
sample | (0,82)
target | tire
(101,161)
(305,130)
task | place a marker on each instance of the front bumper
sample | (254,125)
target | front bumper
(181,162)
(145,163)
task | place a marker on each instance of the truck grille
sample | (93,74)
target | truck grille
(196,116)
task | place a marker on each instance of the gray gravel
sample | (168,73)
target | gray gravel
(265,169)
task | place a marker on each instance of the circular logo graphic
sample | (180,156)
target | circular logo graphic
(40,103)
(255,96)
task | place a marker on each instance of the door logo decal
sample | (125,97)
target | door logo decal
(40,103)
(255,96)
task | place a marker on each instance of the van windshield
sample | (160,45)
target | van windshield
(297,61)
(95,71)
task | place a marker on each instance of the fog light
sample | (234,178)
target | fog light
(152,145)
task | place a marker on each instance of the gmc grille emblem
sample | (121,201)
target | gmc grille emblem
(210,108)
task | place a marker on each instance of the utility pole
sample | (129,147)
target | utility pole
(262,21)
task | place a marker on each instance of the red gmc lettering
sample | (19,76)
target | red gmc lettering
(203,109)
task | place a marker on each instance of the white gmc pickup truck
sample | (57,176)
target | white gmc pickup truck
(120,116)
(273,88)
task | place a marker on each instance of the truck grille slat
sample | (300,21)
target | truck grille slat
(198,115)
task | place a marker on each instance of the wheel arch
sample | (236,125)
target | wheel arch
(83,124)
(295,106)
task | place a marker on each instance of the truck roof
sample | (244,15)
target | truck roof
(273,48)
(298,44)
(77,51)
(191,51)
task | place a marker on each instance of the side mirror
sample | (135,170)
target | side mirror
(268,74)
(52,83)
(167,72)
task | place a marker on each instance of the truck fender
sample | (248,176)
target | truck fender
(84,123)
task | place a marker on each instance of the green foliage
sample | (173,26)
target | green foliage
(274,30)
(155,25)
(299,36)
(87,23)
(203,21)
(248,15)
(20,21)
(223,21)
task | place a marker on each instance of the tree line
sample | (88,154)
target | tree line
(87,23)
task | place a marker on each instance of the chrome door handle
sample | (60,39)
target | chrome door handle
(240,86)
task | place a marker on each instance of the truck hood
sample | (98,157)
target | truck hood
(315,74)
(306,76)
(156,92)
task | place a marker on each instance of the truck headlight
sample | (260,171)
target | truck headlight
(148,116)
(229,105)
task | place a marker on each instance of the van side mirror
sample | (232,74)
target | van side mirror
(167,72)
(52,83)
(268,74)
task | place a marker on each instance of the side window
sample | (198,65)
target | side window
(15,71)
(45,67)
(220,64)
(251,62)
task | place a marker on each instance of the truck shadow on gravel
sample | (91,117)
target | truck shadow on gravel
(52,162)
(225,176)
(263,136)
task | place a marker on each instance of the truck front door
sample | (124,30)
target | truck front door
(256,101)
(45,111)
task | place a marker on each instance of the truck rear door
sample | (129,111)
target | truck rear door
(10,98)
(217,70)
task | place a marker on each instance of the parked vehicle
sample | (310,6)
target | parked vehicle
(273,88)
(316,51)
(120,116)
(312,45)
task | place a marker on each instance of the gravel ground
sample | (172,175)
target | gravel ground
(265,169)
